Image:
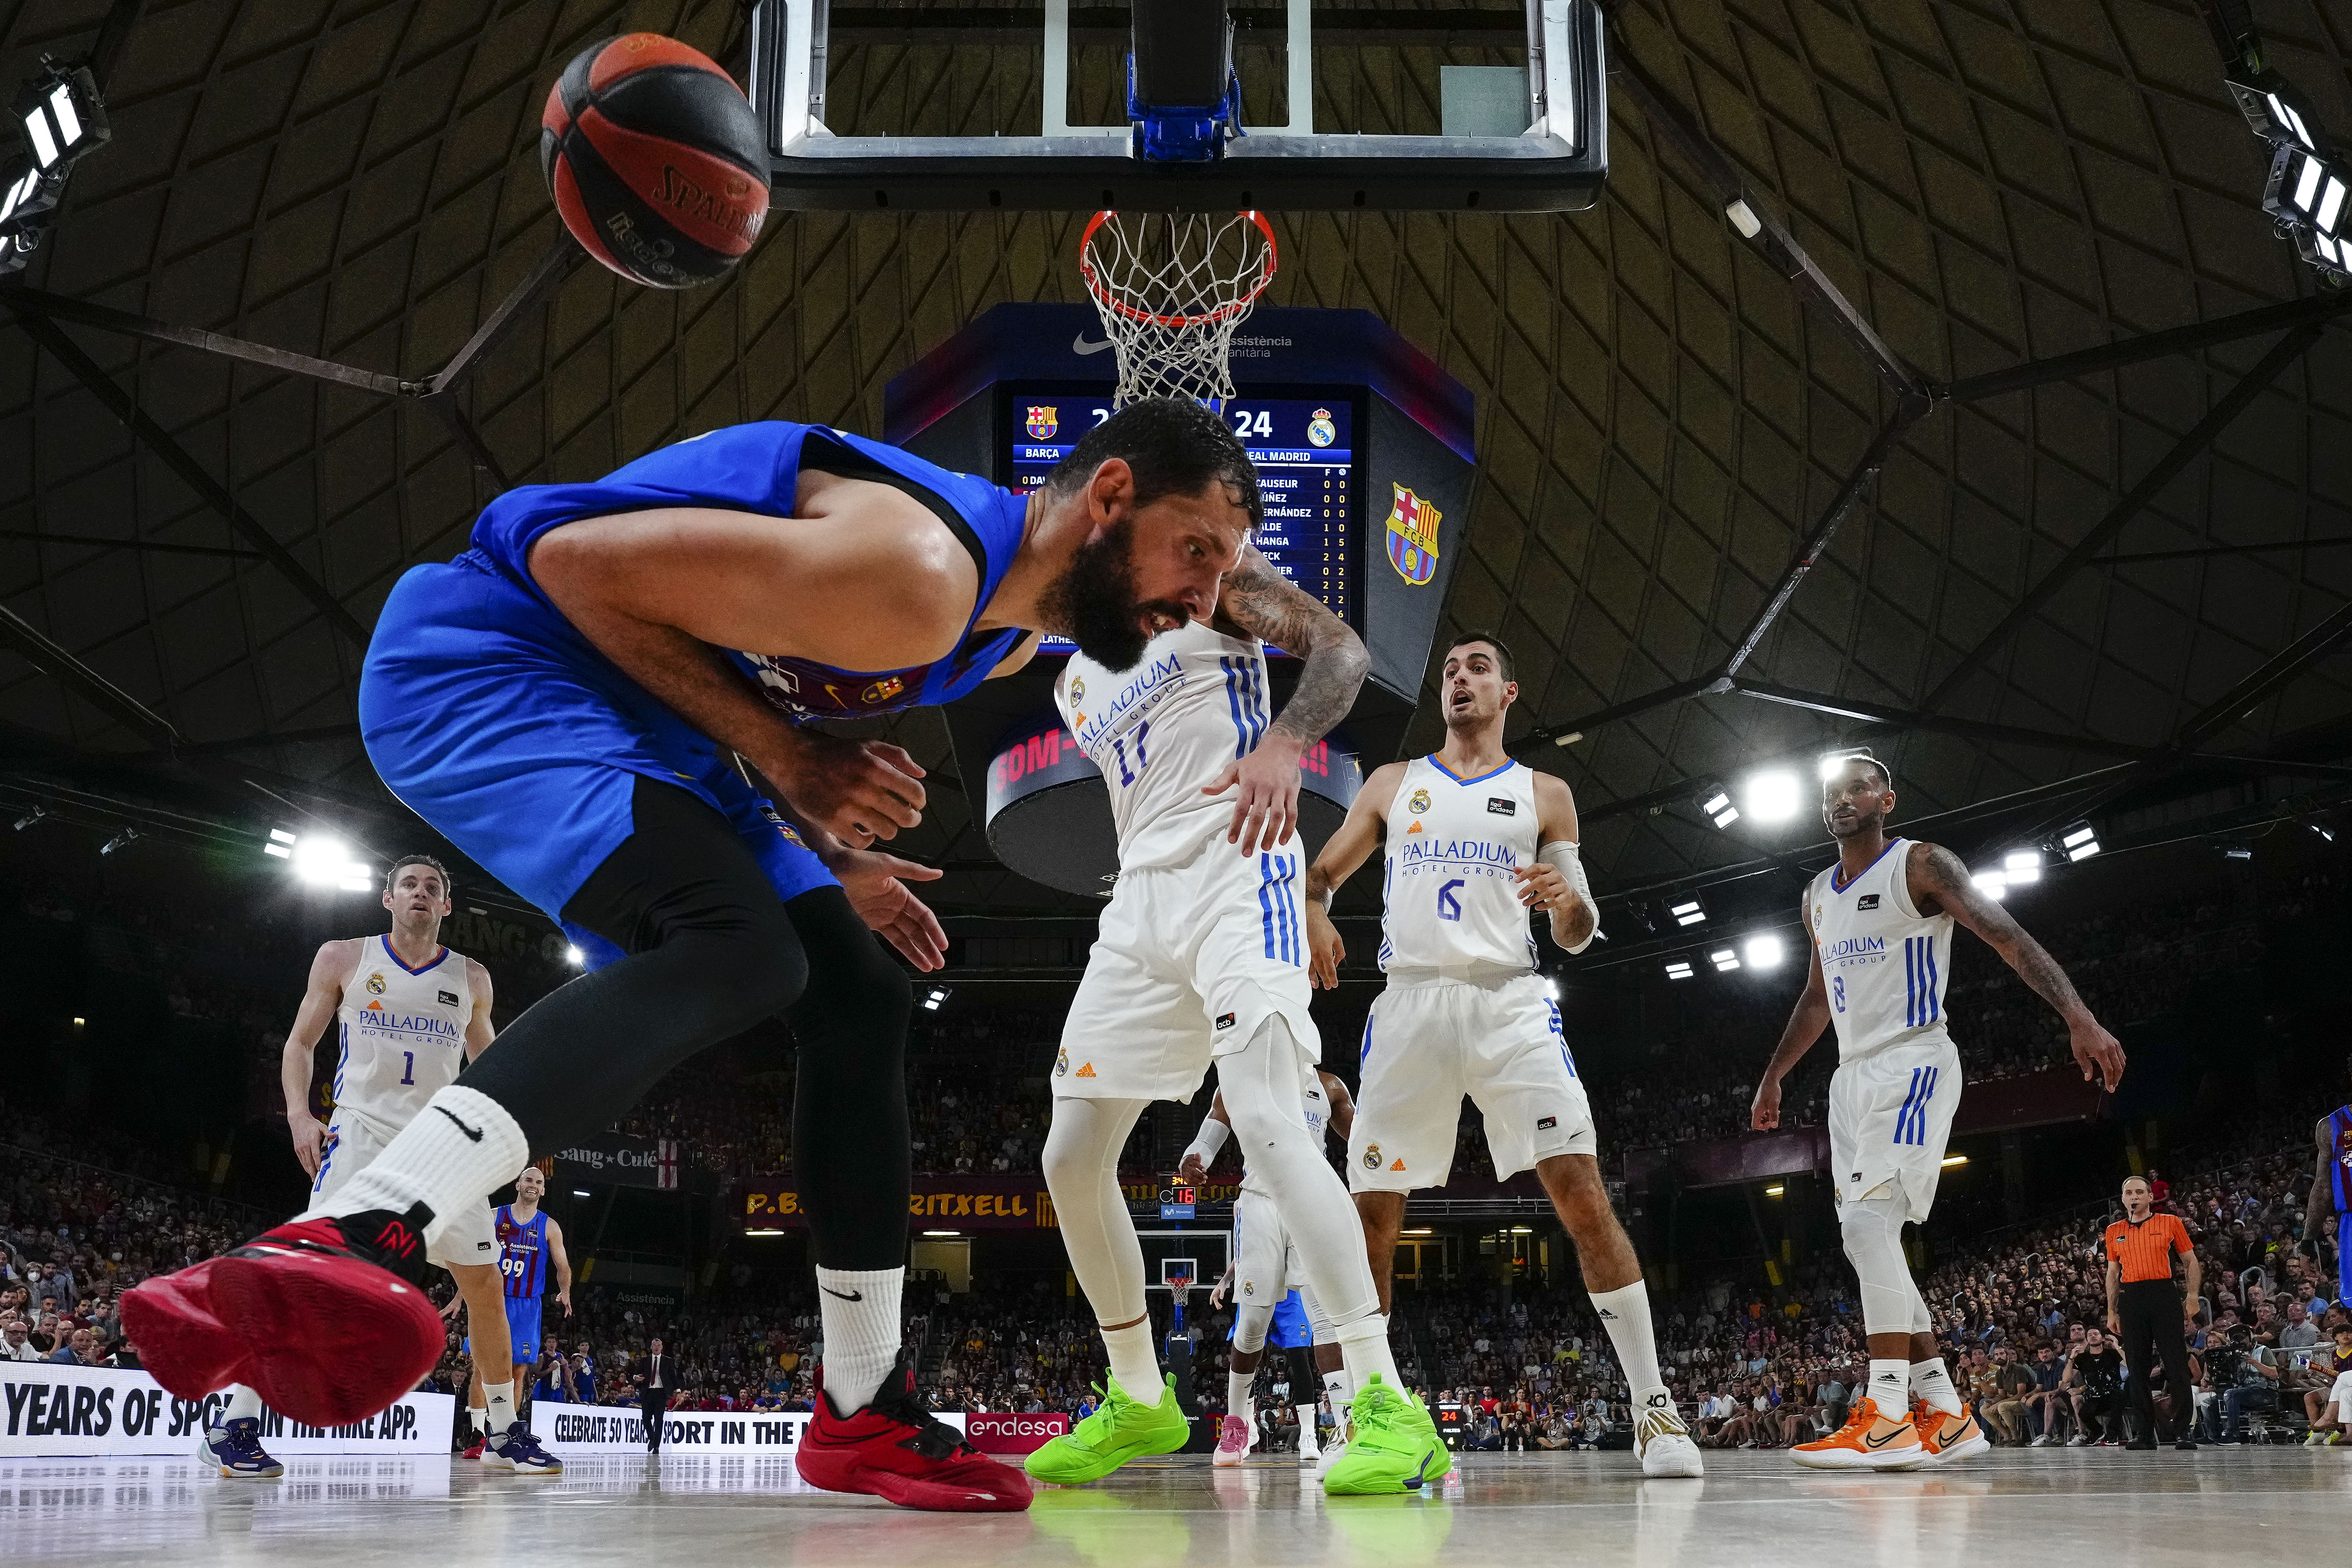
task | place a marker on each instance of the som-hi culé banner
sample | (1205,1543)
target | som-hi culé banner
(1010,1202)
(74,1412)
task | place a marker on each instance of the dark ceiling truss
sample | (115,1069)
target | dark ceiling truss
(36,649)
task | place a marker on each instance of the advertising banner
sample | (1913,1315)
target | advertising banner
(71,1412)
(629,1162)
(569,1430)
(940,1203)
(1010,1434)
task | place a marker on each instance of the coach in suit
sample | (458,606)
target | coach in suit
(653,1398)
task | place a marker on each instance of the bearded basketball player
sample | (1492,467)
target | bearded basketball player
(409,1013)
(1881,923)
(568,702)
(1474,843)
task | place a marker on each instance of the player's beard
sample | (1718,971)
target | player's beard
(1093,602)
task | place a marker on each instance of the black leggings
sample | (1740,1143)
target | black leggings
(712,950)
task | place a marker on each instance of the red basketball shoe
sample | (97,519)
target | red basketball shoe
(895,1448)
(326,1319)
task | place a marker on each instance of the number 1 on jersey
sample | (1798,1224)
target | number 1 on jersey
(408,1066)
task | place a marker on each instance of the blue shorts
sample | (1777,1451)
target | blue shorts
(494,719)
(1289,1329)
(2343,1258)
(522,1328)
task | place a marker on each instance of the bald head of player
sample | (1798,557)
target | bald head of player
(1857,797)
(1162,497)
(531,1186)
(416,891)
(1476,679)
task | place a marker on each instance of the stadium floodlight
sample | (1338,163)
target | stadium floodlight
(1775,1190)
(1689,912)
(765,1231)
(39,812)
(936,998)
(322,858)
(1774,796)
(1993,885)
(580,1191)
(1679,969)
(280,845)
(62,116)
(1724,960)
(127,836)
(1764,952)
(575,958)
(1952,1159)
(1718,807)
(2080,842)
(2021,866)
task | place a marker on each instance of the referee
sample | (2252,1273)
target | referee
(2144,1312)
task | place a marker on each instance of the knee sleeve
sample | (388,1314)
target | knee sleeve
(1261,1085)
(1250,1324)
(1081,1162)
(1891,1303)
(850,1138)
(710,952)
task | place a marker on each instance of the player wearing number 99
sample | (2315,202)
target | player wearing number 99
(409,1013)
(1474,842)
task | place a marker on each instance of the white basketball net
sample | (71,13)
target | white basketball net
(1170,288)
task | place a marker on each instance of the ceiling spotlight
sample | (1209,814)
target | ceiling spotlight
(127,835)
(1774,1191)
(2021,866)
(1724,960)
(281,844)
(2329,834)
(935,998)
(2237,852)
(1689,912)
(1679,969)
(1953,1160)
(1764,952)
(1774,796)
(579,1192)
(322,861)
(1993,885)
(574,957)
(1718,807)
(63,117)
(39,812)
(2080,842)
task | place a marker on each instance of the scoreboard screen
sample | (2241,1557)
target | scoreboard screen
(1308,466)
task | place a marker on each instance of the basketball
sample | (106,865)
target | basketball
(653,158)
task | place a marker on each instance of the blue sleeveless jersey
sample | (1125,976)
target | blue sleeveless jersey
(2339,1173)
(523,1254)
(756,467)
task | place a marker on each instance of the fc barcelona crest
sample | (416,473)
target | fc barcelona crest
(1042,422)
(1412,537)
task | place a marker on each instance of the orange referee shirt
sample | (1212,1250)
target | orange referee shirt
(2145,1250)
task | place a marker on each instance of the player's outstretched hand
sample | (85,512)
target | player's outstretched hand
(309,1139)
(2096,1050)
(1324,948)
(1764,1113)
(1266,794)
(858,790)
(1190,1171)
(877,886)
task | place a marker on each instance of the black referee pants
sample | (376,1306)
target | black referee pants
(2151,1312)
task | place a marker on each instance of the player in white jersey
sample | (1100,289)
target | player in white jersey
(1474,842)
(1264,1272)
(408,1016)
(1201,956)
(1880,920)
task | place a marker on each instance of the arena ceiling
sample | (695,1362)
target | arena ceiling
(1665,419)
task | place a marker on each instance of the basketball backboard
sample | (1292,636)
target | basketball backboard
(1545,150)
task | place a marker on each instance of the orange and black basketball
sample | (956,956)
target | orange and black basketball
(654,161)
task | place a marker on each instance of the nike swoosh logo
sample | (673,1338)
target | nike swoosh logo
(1078,345)
(473,1132)
(1881,1442)
(853,1296)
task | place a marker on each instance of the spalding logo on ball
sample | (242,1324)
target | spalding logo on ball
(654,161)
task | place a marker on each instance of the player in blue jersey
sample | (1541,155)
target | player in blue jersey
(2331,1194)
(579,702)
(530,1252)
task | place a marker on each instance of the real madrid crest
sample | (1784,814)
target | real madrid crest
(1320,430)
(1419,804)
(1371,1156)
(375,983)
(1077,690)
(1062,1064)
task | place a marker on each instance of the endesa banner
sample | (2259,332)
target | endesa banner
(72,1412)
(569,1430)
(1010,1434)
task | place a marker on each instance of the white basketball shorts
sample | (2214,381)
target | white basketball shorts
(1188,962)
(469,1235)
(1890,1116)
(1266,1260)
(2339,1394)
(1427,1045)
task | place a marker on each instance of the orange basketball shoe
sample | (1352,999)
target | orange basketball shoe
(1947,1438)
(1868,1441)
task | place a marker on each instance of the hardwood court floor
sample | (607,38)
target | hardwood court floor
(2104,1506)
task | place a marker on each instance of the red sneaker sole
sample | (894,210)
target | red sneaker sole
(1004,1492)
(328,1341)
(181,1343)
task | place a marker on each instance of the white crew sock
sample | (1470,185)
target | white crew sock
(474,1417)
(859,1308)
(1890,1387)
(1134,1364)
(1337,1388)
(1237,1393)
(243,1405)
(1931,1381)
(1305,1414)
(462,1147)
(1364,1351)
(1625,1313)
(499,1411)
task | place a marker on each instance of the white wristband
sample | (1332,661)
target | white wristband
(1562,856)
(1209,1142)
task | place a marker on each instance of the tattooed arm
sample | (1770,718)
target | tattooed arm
(1939,883)
(1259,600)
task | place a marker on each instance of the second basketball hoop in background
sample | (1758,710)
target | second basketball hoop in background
(1172,289)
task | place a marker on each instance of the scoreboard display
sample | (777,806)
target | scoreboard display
(1303,447)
